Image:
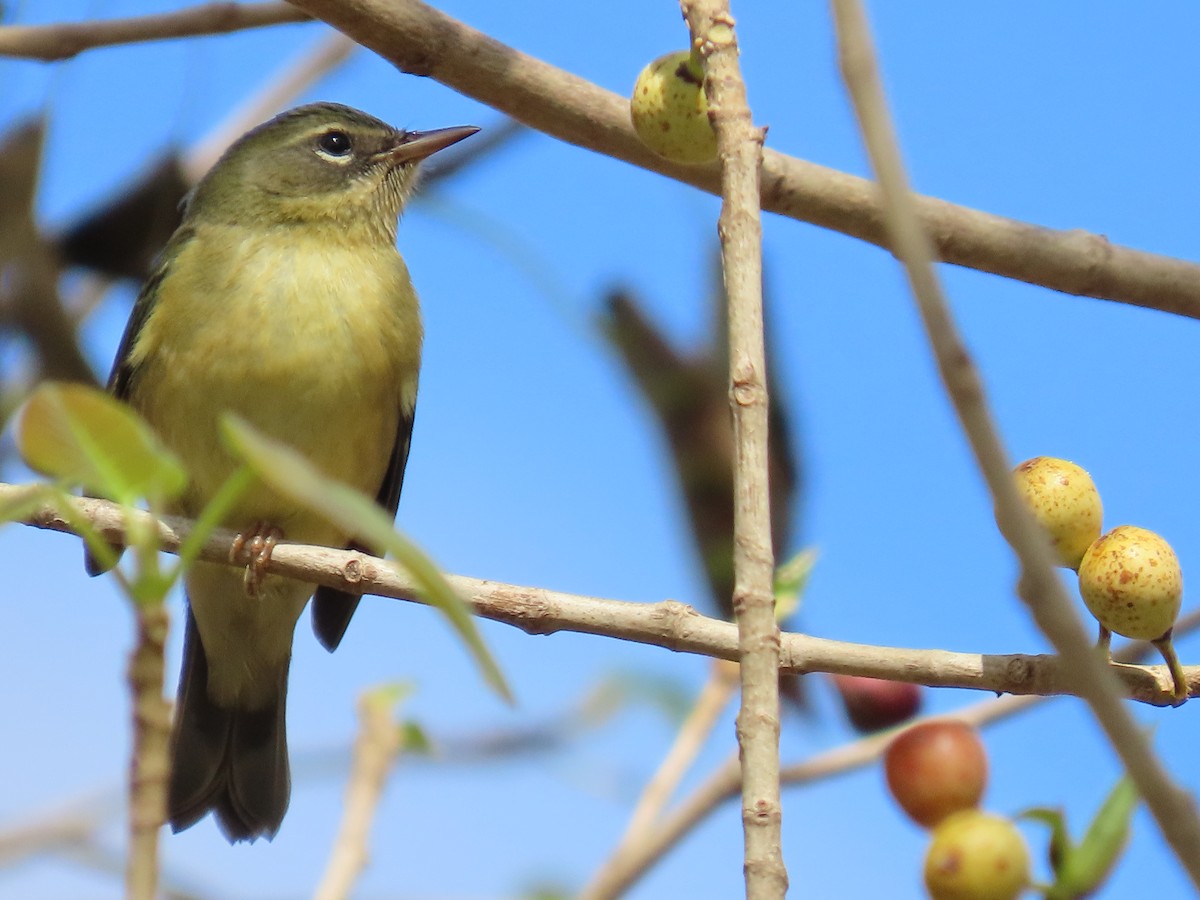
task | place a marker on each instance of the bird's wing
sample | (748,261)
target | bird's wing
(123,370)
(332,609)
(120,379)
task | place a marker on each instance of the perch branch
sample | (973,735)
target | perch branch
(668,624)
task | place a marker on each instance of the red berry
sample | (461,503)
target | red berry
(936,768)
(873,704)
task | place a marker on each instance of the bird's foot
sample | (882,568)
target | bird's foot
(254,549)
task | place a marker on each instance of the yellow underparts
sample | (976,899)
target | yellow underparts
(314,342)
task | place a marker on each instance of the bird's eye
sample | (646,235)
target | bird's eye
(335,143)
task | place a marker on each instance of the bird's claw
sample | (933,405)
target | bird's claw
(254,548)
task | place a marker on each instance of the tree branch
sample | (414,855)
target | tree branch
(633,859)
(150,760)
(739,151)
(668,624)
(1040,587)
(611,879)
(66,39)
(423,41)
(375,751)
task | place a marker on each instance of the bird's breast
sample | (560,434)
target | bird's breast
(315,343)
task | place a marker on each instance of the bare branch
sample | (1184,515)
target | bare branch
(1040,588)
(423,41)
(739,150)
(625,868)
(668,624)
(150,759)
(609,879)
(375,750)
(66,39)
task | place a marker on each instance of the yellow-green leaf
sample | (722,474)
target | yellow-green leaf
(389,694)
(413,739)
(790,581)
(84,437)
(1087,866)
(288,473)
(1060,846)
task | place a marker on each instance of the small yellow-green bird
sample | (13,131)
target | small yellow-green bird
(281,298)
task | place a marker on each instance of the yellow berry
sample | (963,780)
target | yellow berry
(1065,502)
(669,111)
(975,855)
(1131,582)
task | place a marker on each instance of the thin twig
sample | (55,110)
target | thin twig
(149,766)
(739,150)
(725,782)
(375,750)
(66,39)
(695,730)
(723,785)
(423,41)
(668,624)
(1040,588)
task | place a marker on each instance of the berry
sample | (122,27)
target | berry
(936,768)
(1065,502)
(873,704)
(976,856)
(669,110)
(1131,582)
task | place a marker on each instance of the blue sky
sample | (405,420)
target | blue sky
(535,462)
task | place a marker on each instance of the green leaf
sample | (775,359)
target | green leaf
(413,739)
(790,580)
(1060,840)
(289,474)
(218,508)
(1087,866)
(546,890)
(389,693)
(84,437)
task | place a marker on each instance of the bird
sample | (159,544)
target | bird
(280,298)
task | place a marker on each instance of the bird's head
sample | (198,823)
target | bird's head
(319,165)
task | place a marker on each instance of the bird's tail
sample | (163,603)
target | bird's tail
(232,762)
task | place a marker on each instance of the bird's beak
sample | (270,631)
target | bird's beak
(417,145)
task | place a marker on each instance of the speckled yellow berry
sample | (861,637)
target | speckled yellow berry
(1131,581)
(669,111)
(1064,500)
(975,855)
